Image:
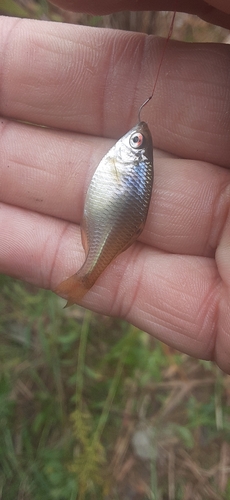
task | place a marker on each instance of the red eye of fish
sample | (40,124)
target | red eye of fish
(136,140)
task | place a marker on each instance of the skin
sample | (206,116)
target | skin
(86,85)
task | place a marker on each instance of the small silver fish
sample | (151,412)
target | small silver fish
(116,208)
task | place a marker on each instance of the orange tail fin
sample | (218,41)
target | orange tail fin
(72,290)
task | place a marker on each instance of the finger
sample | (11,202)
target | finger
(31,240)
(93,81)
(173,297)
(49,172)
(223,266)
(215,15)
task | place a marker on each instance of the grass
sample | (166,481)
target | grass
(91,407)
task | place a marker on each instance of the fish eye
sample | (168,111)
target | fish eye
(136,140)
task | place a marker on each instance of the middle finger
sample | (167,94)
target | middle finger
(48,171)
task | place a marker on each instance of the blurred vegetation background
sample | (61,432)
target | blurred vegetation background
(91,407)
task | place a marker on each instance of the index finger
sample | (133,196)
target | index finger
(94,80)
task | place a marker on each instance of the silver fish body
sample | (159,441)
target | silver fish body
(116,207)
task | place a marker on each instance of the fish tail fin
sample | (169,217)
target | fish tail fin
(73,289)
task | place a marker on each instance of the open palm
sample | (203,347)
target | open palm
(84,87)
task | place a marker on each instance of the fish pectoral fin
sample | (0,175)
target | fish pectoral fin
(111,163)
(73,290)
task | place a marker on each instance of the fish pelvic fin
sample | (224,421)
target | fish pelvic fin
(72,289)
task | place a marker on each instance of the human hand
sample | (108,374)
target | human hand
(88,83)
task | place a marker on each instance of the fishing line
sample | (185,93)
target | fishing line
(159,67)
